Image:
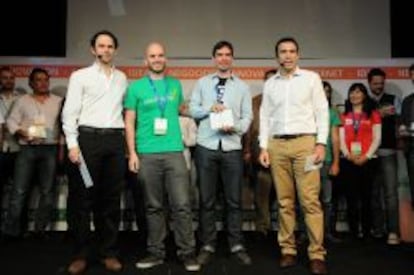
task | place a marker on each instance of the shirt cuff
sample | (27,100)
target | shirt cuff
(72,143)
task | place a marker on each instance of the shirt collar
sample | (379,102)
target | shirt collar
(216,76)
(377,97)
(298,71)
(96,66)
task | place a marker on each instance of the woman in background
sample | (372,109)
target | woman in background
(360,136)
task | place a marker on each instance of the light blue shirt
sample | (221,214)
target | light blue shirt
(236,97)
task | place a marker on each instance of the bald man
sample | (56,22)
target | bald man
(155,150)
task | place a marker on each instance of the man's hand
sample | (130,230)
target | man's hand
(247,155)
(387,110)
(133,163)
(184,110)
(217,108)
(334,169)
(227,130)
(74,155)
(23,134)
(319,153)
(264,158)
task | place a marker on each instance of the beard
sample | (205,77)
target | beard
(158,69)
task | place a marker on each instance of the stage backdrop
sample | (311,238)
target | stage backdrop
(340,73)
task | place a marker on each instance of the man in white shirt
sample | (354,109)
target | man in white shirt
(9,148)
(293,133)
(34,120)
(93,125)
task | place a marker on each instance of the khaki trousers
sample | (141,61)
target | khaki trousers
(287,159)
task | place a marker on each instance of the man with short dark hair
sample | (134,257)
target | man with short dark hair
(385,187)
(94,130)
(294,126)
(34,120)
(217,99)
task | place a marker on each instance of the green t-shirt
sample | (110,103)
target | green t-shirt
(142,97)
(334,120)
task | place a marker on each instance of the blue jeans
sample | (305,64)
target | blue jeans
(212,164)
(165,175)
(39,159)
(385,192)
(7,161)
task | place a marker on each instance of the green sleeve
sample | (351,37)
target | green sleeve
(335,120)
(131,99)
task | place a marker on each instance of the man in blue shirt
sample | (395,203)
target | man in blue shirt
(219,150)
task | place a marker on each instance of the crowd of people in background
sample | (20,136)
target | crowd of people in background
(299,152)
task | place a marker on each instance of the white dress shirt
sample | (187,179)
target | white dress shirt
(9,141)
(93,100)
(294,105)
(26,110)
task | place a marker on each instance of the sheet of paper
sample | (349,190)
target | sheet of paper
(222,119)
(311,165)
(86,176)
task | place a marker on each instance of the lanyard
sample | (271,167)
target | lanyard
(356,123)
(161,99)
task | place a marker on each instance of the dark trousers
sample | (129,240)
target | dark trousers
(134,198)
(409,155)
(32,160)
(212,164)
(105,158)
(358,182)
(166,176)
(7,161)
(385,192)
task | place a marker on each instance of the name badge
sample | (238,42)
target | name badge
(356,148)
(160,126)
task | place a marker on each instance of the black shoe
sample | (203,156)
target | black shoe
(204,257)
(242,257)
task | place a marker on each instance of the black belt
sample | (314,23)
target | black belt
(100,131)
(293,136)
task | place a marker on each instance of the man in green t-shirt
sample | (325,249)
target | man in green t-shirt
(155,149)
